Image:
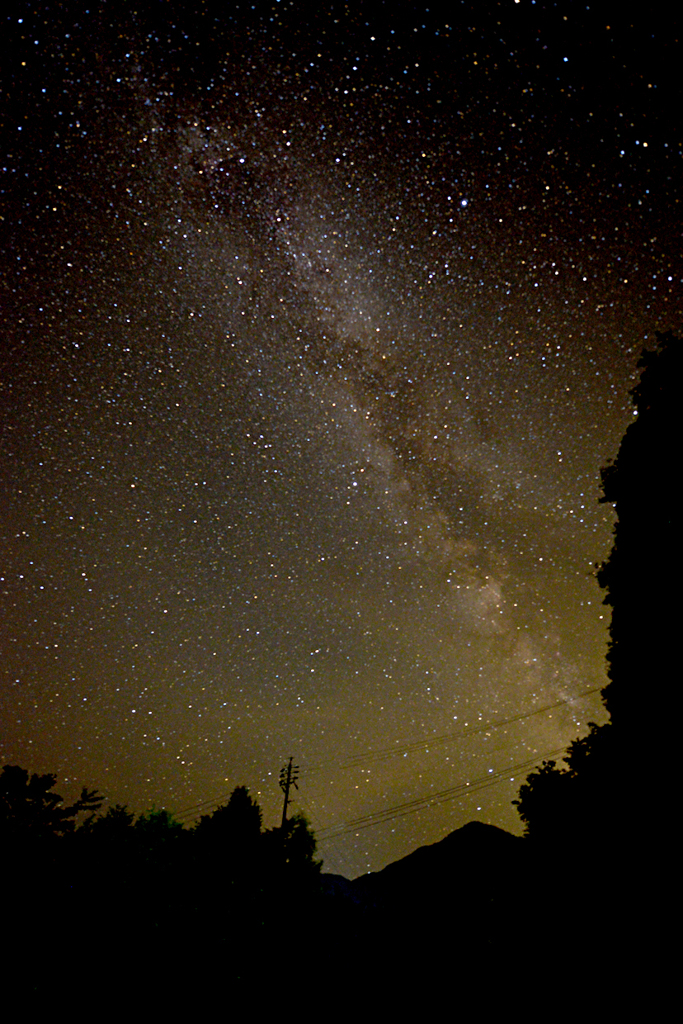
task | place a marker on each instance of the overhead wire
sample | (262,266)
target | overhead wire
(401,749)
(422,803)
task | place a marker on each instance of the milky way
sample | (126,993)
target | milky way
(318,330)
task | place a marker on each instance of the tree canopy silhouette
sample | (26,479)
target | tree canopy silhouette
(607,773)
(30,809)
(136,886)
(237,822)
(641,586)
(568,805)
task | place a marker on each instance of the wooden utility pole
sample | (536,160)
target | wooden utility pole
(288,776)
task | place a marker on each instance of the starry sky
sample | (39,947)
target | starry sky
(318,323)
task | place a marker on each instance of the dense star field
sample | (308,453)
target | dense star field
(319,323)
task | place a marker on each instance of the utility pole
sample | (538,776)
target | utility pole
(288,776)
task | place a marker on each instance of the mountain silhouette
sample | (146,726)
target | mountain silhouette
(445,915)
(475,857)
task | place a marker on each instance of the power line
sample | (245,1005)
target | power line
(193,808)
(420,803)
(399,749)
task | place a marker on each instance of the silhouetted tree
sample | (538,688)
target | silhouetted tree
(158,827)
(227,847)
(117,822)
(299,844)
(136,888)
(108,847)
(640,575)
(576,804)
(36,833)
(237,822)
(616,771)
(290,852)
(30,810)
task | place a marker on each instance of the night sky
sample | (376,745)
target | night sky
(318,323)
